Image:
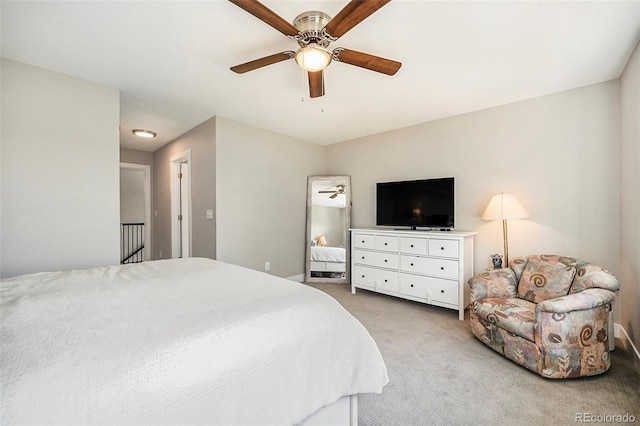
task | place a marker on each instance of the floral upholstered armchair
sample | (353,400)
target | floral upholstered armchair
(548,313)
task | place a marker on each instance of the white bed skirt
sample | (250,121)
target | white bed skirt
(328,266)
(343,412)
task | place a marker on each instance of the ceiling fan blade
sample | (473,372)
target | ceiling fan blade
(266,15)
(262,62)
(365,60)
(351,15)
(316,84)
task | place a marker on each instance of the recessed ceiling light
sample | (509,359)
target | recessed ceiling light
(144,133)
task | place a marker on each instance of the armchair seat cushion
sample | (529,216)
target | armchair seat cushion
(514,315)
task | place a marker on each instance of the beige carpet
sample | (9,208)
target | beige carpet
(439,374)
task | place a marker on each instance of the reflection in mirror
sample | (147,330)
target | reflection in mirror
(328,221)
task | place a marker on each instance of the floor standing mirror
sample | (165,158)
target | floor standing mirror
(328,221)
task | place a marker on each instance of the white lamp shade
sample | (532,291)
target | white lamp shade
(313,57)
(504,206)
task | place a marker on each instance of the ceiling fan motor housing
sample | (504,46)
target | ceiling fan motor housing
(310,24)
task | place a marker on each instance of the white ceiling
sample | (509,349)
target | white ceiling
(171,60)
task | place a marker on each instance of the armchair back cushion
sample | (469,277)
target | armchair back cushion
(546,277)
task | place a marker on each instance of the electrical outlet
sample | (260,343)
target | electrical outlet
(267,266)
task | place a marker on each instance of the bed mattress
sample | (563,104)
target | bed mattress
(184,341)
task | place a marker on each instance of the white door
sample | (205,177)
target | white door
(181,205)
(185,215)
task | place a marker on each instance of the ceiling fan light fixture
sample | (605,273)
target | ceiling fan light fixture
(144,133)
(313,57)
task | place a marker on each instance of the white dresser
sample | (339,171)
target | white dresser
(425,266)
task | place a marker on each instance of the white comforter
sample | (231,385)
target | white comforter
(328,254)
(190,341)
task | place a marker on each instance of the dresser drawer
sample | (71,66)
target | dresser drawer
(365,241)
(379,259)
(430,266)
(444,248)
(386,243)
(413,245)
(429,288)
(375,278)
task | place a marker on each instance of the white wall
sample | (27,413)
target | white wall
(261,187)
(128,155)
(132,196)
(60,171)
(630,199)
(559,154)
(201,141)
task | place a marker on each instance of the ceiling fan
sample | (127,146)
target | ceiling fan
(314,31)
(338,191)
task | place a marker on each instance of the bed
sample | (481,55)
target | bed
(328,259)
(183,341)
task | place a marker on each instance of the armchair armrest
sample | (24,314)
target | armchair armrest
(585,300)
(573,333)
(496,283)
(589,275)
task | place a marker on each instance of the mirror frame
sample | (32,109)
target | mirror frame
(307,270)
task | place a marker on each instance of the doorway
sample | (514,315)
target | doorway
(181,205)
(135,212)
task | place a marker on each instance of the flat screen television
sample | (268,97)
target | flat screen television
(427,203)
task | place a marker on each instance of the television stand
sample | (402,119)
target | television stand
(414,228)
(424,266)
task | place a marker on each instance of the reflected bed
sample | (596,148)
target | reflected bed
(328,259)
(188,341)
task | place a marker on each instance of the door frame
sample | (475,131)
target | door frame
(146,169)
(175,161)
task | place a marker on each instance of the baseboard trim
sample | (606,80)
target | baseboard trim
(627,344)
(297,278)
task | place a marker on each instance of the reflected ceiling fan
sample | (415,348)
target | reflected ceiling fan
(314,31)
(338,191)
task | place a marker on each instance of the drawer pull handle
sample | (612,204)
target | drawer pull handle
(385,261)
(442,268)
(441,291)
(411,285)
(386,244)
(411,245)
(441,248)
(386,281)
(363,276)
(363,257)
(362,241)
(412,264)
